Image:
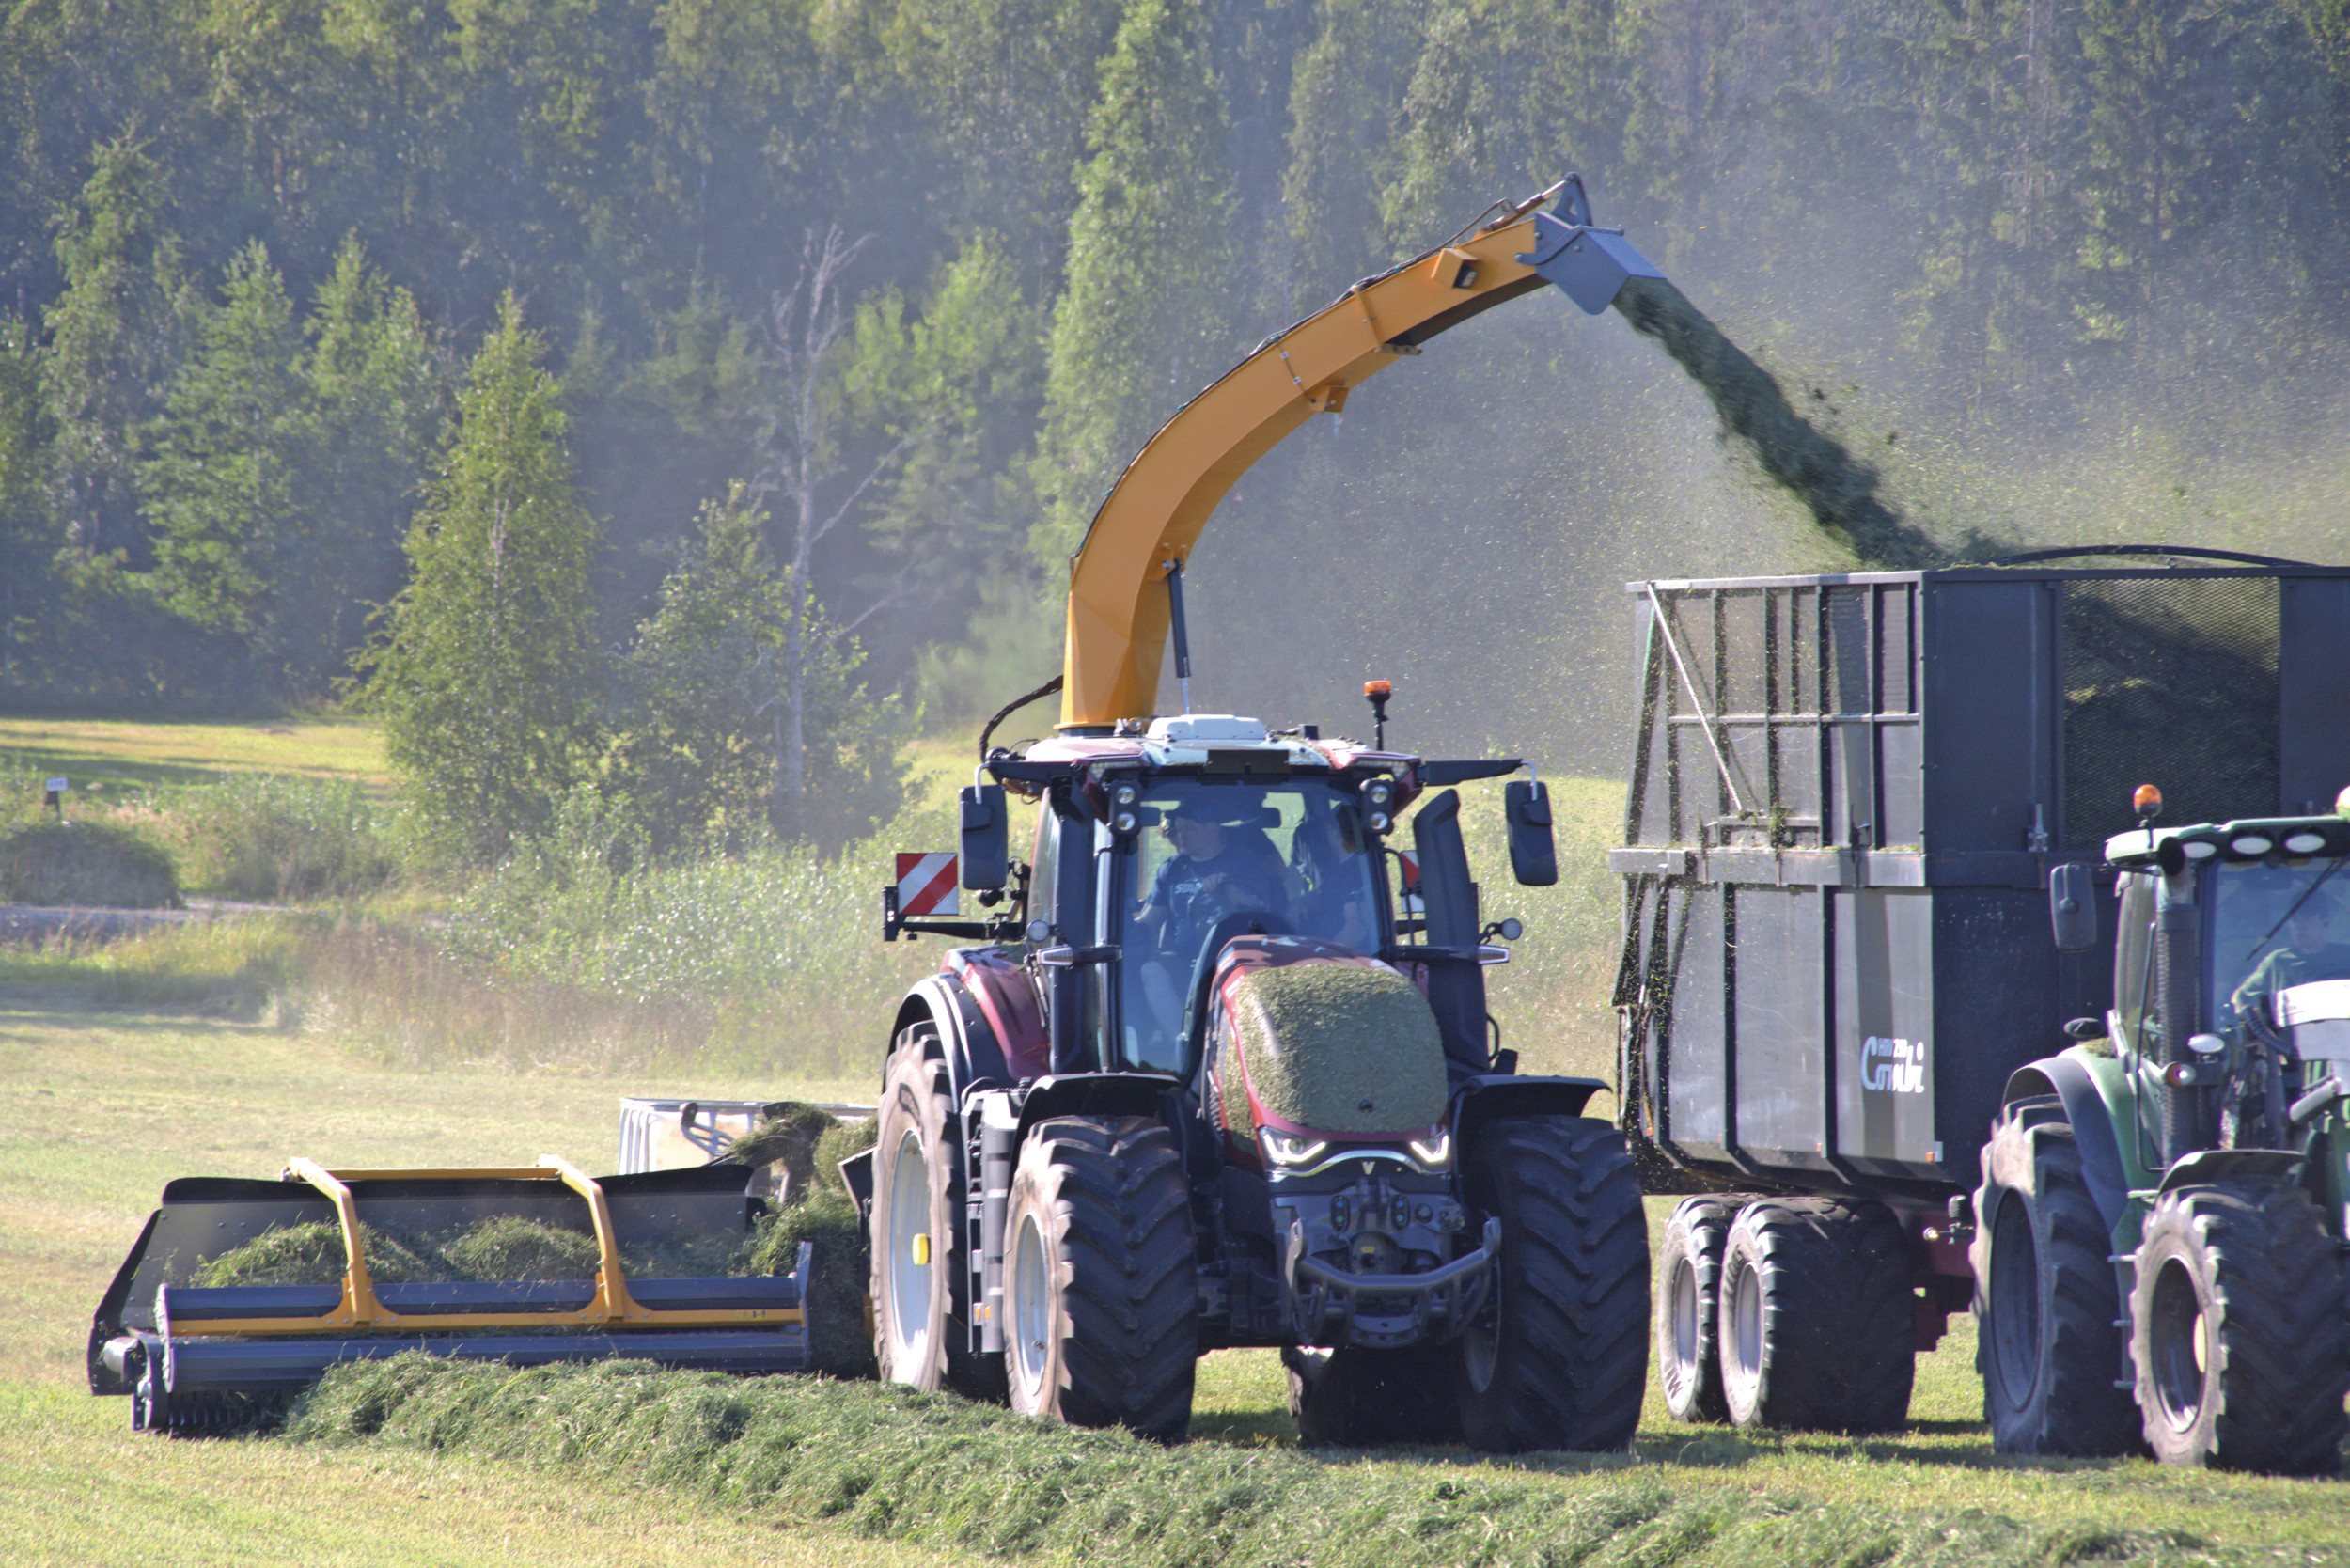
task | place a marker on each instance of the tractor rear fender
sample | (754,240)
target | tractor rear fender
(1490,1095)
(2096,1103)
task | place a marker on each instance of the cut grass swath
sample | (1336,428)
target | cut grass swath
(885,1462)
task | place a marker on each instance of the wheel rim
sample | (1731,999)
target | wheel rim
(2178,1339)
(2014,1292)
(1745,1326)
(1683,1301)
(1031,1302)
(1481,1344)
(909,1230)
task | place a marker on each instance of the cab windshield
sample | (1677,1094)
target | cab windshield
(1217,860)
(2274,927)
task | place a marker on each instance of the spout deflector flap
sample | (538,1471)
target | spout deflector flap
(1591,265)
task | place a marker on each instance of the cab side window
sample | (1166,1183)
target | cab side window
(1042,861)
(2134,954)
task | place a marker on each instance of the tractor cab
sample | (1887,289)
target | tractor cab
(2231,978)
(1155,846)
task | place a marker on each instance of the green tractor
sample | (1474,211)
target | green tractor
(2159,1232)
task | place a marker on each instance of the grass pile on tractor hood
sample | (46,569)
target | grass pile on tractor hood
(881,1460)
(1339,1048)
(1839,491)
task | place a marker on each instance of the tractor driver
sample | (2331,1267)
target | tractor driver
(1215,871)
(1219,869)
(2312,949)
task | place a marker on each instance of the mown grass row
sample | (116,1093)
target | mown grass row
(885,1463)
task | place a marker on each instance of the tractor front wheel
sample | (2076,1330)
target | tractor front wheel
(1101,1277)
(1559,1357)
(2241,1350)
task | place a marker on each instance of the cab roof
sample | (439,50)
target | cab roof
(2251,839)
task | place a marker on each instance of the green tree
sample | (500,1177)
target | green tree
(26,538)
(113,339)
(701,745)
(1147,320)
(484,672)
(224,479)
(377,381)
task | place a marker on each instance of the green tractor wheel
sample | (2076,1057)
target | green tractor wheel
(2241,1352)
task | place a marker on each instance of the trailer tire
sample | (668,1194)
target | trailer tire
(1558,1359)
(2240,1347)
(2045,1300)
(1818,1324)
(1101,1277)
(1359,1398)
(1689,1281)
(921,1276)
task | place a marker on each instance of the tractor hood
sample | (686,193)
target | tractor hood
(1311,1040)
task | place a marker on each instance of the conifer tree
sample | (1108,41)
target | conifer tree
(483,674)
(224,479)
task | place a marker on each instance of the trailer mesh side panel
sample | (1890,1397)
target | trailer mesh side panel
(2170,682)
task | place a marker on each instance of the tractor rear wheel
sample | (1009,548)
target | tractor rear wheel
(921,1276)
(2237,1333)
(1559,1357)
(1818,1320)
(1688,1280)
(2045,1300)
(1101,1277)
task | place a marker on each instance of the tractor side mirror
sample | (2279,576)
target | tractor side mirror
(2072,907)
(986,836)
(1533,856)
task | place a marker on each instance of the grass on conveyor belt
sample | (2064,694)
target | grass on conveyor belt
(881,1460)
(509,1247)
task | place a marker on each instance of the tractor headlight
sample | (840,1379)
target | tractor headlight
(1434,1152)
(1379,804)
(1288,1148)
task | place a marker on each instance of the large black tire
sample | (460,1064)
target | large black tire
(1358,1398)
(2238,1334)
(922,1274)
(2045,1300)
(1558,1359)
(1818,1324)
(1101,1277)
(1688,1280)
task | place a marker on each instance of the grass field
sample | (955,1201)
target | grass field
(105,1105)
(131,1065)
(120,754)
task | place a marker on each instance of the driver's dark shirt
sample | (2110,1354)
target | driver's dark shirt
(1179,886)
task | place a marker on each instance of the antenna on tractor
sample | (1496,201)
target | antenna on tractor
(1378,691)
(1183,636)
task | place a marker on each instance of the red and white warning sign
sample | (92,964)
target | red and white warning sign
(1409,861)
(925,884)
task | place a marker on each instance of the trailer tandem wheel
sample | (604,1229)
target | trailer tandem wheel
(1688,1279)
(921,1281)
(1101,1277)
(2238,1334)
(2046,1301)
(1818,1317)
(1560,1358)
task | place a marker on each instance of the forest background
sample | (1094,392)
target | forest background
(784,348)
